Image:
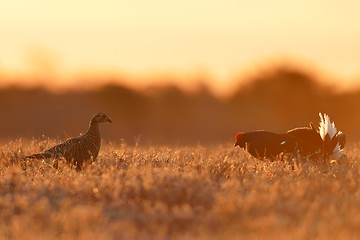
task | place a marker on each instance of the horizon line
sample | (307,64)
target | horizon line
(142,82)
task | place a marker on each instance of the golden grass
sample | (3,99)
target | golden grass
(196,192)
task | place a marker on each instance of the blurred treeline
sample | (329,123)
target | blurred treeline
(278,100)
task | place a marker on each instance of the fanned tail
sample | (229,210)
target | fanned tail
(326,127)
(341,138)
(334,141)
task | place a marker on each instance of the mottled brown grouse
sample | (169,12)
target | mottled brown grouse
(79,150)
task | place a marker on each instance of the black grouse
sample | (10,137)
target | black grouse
(326,142)
(306,142)
(263,144)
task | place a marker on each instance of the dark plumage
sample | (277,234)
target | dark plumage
(307,141)
(341,139)
(80,149)
(326,142)
(263,144)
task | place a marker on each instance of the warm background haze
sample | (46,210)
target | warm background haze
(223,66)
(144,42)
(178,79)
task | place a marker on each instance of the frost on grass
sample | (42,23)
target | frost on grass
(193,192)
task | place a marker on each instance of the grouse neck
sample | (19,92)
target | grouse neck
(93,129)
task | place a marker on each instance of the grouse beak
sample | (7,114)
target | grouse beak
(236,144)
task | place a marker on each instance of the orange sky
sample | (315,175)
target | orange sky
(216,40)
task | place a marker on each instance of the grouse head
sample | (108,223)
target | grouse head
(100,118)
(239,140)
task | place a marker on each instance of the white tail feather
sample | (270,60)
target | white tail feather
(337,152)
(326,127)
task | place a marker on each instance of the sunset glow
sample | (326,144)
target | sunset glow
(155,42)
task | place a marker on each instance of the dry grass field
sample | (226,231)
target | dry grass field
(163,192)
